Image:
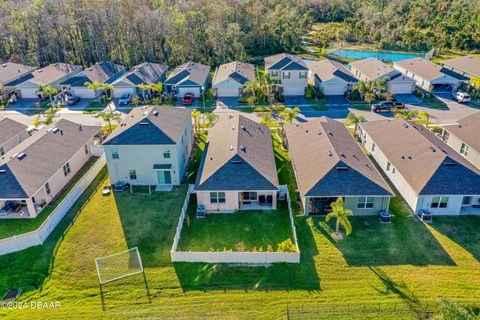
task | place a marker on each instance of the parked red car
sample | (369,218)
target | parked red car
(188,98)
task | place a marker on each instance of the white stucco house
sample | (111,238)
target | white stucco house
(237,170)
(52,75)
(429,76)
(230,78)
(145,73)
(101,72)
(150,147)
(290,71)
(464,137)
(190,77)
(428,173)
(332,77)
(12,133)
(36,171)
(372,69)
(329,164)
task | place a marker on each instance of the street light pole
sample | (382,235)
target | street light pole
(203,97)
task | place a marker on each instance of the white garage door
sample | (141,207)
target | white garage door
(334,89)
(28,93)
(401,88)
(228,92)
(182,90)
(83,92)
(292,90)
(119,92)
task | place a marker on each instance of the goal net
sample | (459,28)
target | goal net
(119,265)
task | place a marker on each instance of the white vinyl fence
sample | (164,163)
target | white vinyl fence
(96,150)
(38,237)
(233,256)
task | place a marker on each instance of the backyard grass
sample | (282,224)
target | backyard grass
(256,230)
(406,262)
(11,227)
(319,107)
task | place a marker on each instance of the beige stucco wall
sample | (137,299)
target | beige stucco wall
(294,83)
(231,200)
(351,203)
(14,141)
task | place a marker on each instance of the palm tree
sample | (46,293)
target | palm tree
(265,117)
(107,87)
(424,116)
(109,116)
(195,116)
(50,92)
(211,118)
(406,115)
(266,84)
(362,87)
(341,214)
(94,86)
(289,114)
(381,83)
(369,97)
(156,87)
(144,87)
(354,120)
(251,87)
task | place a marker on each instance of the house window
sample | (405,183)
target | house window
(86,149)
(439,202)
(303,75)
(464,149)
(115,153)
(388,165)
(467,200)
(66,169)
(373,147)
(133,174)
(274,74)
(47,189)
(445,136)
(286,75)
(166,154)
(393,170)
(250,196)
(365,202)
(2,151)
(217,197)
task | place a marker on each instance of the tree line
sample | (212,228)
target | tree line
(39,32)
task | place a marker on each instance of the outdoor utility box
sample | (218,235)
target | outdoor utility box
(201,212)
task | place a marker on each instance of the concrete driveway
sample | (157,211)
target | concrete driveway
(337,100)
(408,99)
(229,102)
(293,101)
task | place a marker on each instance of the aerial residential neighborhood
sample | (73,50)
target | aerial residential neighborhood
(240,159)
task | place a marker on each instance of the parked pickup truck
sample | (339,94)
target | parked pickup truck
(387,106)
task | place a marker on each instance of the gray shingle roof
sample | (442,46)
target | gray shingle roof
(468,64)
(101,72)
(467,130)
(285,61)
(238,156)
(45,153)
(146,73)
(427,163)
(9,128)
(236,70)
(190,71)
(10,71)
(426,69)
(52,73)
(327,69)
(151,125)
(328,162)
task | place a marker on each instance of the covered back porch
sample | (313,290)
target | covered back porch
(18,209)
(257,200)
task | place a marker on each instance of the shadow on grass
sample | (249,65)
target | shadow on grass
(149,222)
(283,276)
(404,241)
(28,269)
(463,230)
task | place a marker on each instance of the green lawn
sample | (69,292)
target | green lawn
(255,229)
(319,108)
(262,108)
(13,227)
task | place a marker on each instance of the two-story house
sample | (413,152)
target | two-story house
(150,147)
(290,71)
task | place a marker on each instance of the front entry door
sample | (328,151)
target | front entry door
(164,177)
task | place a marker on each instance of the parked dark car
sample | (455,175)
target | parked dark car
(125,99)
(387,106)
(188,99)
(73,100)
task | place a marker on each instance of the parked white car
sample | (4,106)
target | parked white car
(461,97)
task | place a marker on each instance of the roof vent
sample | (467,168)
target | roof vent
(143,123)
(3,171)
(330,133)
(243,127)
(342,154)
(243,148)
(4,65)
(403,157)
(306,131)
(342,168)
(145,113)
(409,157)
(330,153)
(21,156)
(55,130)
(39,70)
(231,147)
(155,113)
(450,164)
(236,162)
(433,149)
(233,127)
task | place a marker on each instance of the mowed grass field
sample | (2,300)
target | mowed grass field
(405,262)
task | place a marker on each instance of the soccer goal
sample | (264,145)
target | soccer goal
(119,265)
(141,189)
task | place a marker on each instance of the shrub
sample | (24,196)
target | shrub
(241,247)
(310,92)
(286,246)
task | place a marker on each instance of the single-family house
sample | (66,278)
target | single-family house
(190,77)
(371,70)
(52,75)
(146,73)
(429,76)
(468,66)
(237,170)
(289,71)
(332,77)
(12,133)
(150,147)
(428,173)
(101,72)
(10,73)
(464,137)
(230,78)
(329,164)
(40,168)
